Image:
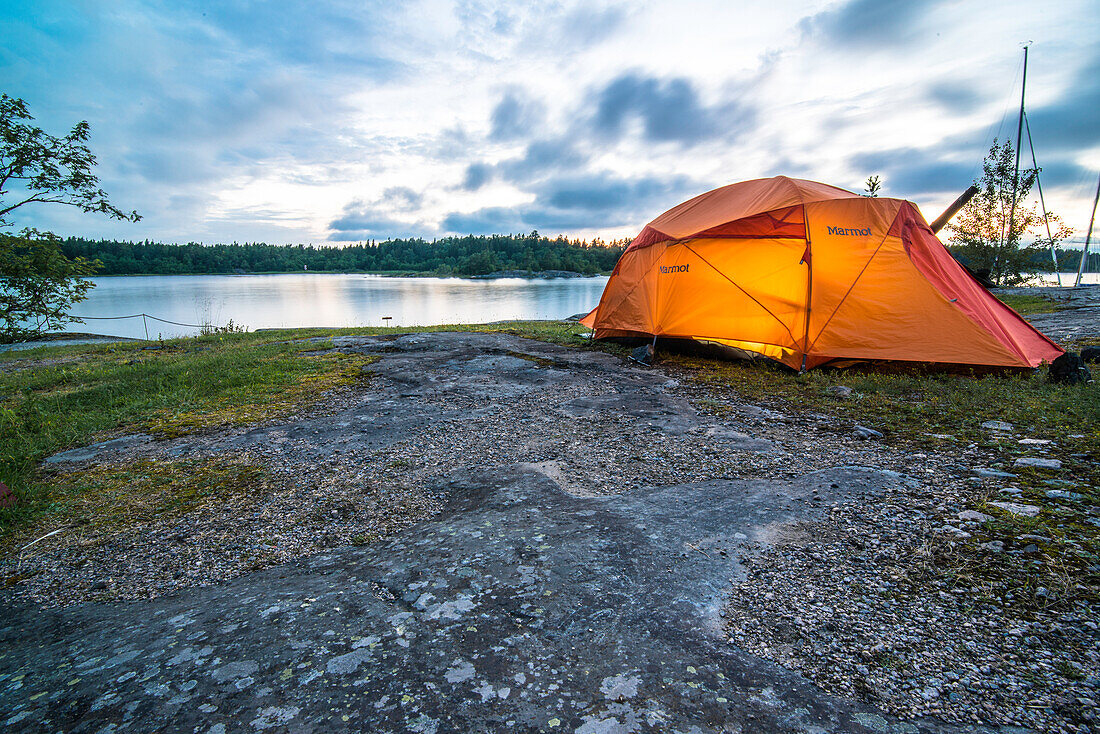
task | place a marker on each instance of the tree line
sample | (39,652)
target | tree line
(469,255)
(1038,259)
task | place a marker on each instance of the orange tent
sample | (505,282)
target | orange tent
(805,273)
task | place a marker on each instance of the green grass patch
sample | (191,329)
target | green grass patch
(1029,304)
(913,407)
(60,397)
(114,496)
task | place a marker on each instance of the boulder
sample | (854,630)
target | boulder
(1069,369)
(864,433)
(1015,508)
(644,354)
(1038,463)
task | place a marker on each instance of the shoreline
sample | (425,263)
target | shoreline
(499,275)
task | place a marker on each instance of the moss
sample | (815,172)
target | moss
(1029,304)
(255,404)
(116,496)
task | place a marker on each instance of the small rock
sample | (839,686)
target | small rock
(1016,508)
(1061,494)
(974,516)
(1030,549)
(991,473)
(998,426)
(996,546)
(1038,463)
(931,693)
(957,532)
(1034,441)
(839,391)
(864,433)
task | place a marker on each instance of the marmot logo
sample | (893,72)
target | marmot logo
(674,268)
(866,232)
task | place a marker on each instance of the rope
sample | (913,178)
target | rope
(138,316)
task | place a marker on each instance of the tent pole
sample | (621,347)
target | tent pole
(1088,236)
(808,257)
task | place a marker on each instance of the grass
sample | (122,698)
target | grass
(56,398)
(1029,304)
(116,496)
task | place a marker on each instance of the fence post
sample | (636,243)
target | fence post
(146,327)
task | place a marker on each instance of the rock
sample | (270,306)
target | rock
(954,531)
(864,433)
(1090,354)
(1038,463)
(974,516)
(931,693)
(996,546)
(1069,369)
(998,426)
(1034,441)
(1061,494)
(643,355)
(1030,549)
(1015,508)
(990,473)
(839,391)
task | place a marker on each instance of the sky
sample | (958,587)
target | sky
(339,121)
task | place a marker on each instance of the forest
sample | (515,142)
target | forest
(464,256)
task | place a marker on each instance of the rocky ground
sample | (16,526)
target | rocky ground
(831,582)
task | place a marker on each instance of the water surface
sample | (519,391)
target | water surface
(298,300)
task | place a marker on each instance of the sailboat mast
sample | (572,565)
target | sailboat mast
(1042,201)
(1088,236)
(1016,171)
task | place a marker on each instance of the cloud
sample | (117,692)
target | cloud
(539,158)
(668,110)
(402,197)
(955,97)
(515,116)
(909,173)
(1069,124)
(601,193)
(489,220)
(591,201)
(379,219)
(587,26)
(871,23)
(477,175)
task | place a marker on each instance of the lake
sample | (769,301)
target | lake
(296,300)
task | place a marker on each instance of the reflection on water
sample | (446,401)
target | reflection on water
(264,301)
(1069,278)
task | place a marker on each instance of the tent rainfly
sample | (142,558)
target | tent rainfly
(807,273)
